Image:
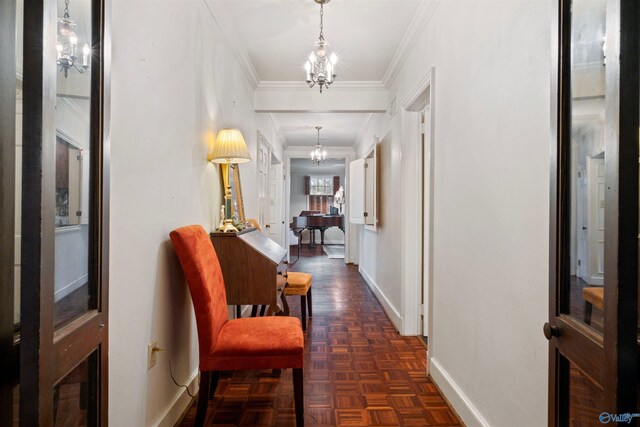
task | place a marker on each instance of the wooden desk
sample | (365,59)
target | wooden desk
(253,267)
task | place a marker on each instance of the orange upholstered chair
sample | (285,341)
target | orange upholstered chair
(229,345)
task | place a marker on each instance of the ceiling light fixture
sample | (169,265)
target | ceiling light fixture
(319,155)
(321,64)
(68,45)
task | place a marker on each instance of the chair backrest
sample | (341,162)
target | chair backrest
(206,283)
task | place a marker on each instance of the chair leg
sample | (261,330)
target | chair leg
(215,375)
(203,398)
(303,312)
(588,308)
(263,308)
(309,302)
(254,311)
(238,311)
(298,395)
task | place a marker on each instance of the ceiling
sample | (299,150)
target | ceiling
(278,36)
(338,129)
(329,166)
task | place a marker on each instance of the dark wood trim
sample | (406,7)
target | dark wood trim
(621,299)
(7,202)
(38,231)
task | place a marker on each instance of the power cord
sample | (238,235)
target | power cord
(173,378)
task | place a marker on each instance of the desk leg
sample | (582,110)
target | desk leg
(238,311)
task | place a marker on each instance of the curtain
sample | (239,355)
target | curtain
(336,184)
(307,185)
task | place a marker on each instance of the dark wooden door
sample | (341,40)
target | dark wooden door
(54,203)
(593,303)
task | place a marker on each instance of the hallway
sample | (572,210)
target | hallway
(358,370)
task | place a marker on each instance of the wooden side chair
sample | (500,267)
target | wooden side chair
(230,345)
(299,283)
(593,296)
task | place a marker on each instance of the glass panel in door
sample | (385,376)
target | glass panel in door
(582,288)
(73,288)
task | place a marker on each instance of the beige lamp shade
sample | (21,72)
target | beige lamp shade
(230,148)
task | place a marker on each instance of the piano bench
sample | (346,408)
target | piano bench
(300,284)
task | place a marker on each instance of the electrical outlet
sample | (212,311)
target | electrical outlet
(152,353)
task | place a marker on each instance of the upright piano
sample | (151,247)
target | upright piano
(254,268)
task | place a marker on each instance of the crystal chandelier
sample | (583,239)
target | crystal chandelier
(318,155)
(321,64)
(68,45)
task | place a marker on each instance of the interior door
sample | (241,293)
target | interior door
(592,328)
(63,228)
(264,161)
(275,203)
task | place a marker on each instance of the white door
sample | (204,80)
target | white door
(582,224)
(264,161)
(275,196)
(356,192)
(427,210)
(595,229)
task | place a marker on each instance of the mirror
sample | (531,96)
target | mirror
(237,203)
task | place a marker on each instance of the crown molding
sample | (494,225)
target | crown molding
(423,15)
(73,106)
(340,85)
(223,18)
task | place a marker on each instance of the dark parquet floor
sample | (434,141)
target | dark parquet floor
(358,370)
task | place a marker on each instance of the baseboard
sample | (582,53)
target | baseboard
(456,397)
(67,289)
(388,308)
(176,409)
(596,280)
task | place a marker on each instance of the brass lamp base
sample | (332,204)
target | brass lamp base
(228,227)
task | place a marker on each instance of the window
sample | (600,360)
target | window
(322,186)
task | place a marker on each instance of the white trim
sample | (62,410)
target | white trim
(388,308)
(67,289)
(421,18)
(596,280)
(73,106)
(460,402)
(225,22)
(412,280)
(174,410)
(67,228)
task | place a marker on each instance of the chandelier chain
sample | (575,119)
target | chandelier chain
(66,9)
(321,21)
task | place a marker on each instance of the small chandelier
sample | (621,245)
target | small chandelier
(321,64)
(68,45)
(319,155)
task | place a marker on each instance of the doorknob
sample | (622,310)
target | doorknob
(550,331)
(267,226)
(584,228)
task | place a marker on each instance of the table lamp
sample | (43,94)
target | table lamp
(229,148)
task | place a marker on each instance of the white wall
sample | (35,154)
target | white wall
(492,92)
(175,82)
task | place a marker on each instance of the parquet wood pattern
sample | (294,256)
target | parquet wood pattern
(358,370)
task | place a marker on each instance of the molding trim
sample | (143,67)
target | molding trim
(460,402)
(423,15)
(67,289)
(73,106)
(388,308)
(342,85)
(170,416)
(225,22)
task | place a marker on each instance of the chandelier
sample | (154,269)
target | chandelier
(318,155)
(68,45)
(321,64)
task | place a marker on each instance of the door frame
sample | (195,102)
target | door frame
(345,153)
(617,347)
(415,281)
